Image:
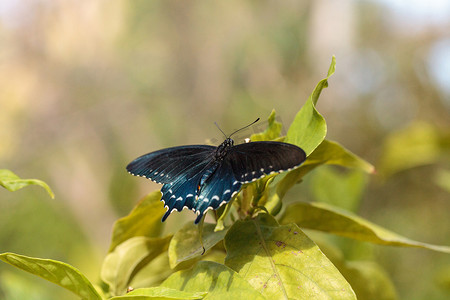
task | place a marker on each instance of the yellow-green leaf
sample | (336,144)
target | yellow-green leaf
(12,182)
(221,282)
(54,271)
(156,293)
(324,217)
(185,244)
(143,220)
(309,127)
(272,131)
(332,153)
(282,262)
(128,258)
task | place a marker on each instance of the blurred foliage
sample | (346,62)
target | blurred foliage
(85,88)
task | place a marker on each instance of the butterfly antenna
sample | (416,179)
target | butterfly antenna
(217,125)
(244,127)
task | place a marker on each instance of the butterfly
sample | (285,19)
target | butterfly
(203,177)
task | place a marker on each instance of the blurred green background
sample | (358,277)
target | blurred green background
(87,87)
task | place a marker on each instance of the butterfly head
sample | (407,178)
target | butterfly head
(222,149)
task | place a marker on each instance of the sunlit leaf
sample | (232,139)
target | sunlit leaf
(218,280)
(12,182)
(332,153)
(153,273)
(127,259)
(185,244)
(54,271)
(282,262)
(223,213)
(309,129)
(143,220)
(272,131)
(160,293)
(324,217)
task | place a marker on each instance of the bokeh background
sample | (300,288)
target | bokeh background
(85,87)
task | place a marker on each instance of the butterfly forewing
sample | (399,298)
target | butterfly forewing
(251,161)
(167,165)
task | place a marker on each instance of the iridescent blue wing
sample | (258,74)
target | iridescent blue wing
(218,189)
(171,164)
(251,161)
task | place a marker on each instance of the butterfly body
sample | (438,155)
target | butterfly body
(202,177)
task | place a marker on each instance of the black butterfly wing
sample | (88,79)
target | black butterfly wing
(167,165)
(251,161)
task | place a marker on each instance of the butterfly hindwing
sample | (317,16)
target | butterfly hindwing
(218,189)
(251,161)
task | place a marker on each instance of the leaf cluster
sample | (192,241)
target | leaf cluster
(256,249)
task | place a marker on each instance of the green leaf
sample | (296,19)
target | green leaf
(160,293)
(143,220)
(272,131)
(332,153)
(54,271)
(218,280)
(223,212)
(309,129)
(282,262)
(153,273)
(344,189)
(324,217)
(12,182)
(127,259)
(185,244)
